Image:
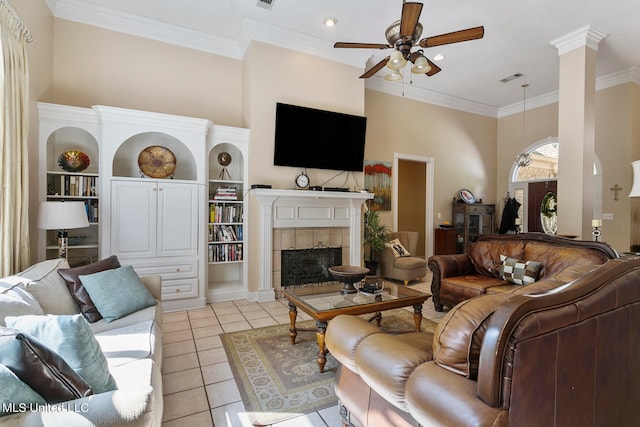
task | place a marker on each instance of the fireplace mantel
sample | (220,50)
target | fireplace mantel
(305,208)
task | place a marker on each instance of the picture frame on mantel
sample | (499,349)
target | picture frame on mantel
(377,179)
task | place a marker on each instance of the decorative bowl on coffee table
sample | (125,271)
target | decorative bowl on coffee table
(348,275)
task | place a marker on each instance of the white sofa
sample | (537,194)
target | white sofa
(132,346)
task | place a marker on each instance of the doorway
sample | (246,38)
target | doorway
(412,198)
(537,192)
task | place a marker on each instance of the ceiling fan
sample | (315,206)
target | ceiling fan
(405,34)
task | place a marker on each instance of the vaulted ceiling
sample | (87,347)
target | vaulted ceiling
(517,39)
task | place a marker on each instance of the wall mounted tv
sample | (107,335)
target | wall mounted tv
(311,138)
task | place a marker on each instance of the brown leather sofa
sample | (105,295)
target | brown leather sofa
(462,276)
(560,352)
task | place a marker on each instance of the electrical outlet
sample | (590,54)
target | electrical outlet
(607,216)
(439,215)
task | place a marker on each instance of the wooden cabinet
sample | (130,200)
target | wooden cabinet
(471,221)
(445,241)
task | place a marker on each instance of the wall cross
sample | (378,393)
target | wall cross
(616,188)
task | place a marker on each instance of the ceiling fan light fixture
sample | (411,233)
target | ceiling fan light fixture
(396,61)
(421,66)
(393,76)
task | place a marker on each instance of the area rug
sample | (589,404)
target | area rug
(277,380)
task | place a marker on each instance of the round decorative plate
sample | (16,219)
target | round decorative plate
(224,158)
(73,161)
(467,196)
(157,162)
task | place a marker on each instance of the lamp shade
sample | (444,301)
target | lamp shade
(62,215)
(396,61)
(635,189)
(421,66)
(394,75)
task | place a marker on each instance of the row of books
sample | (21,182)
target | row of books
(92,210)
(76,185)
(225,213)
(225,233)
(225,193)
(225,252)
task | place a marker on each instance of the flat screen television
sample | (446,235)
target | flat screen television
(311,138)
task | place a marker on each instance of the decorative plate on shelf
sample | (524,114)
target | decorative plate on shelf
(73,161)
(467,196)
(156,161)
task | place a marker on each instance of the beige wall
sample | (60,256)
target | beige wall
(462,144)
(273,74)
(617,139)
(94,66)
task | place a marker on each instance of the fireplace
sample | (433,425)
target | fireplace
(305,266)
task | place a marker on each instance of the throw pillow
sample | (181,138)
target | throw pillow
(15,395)
(397,248)
(117,292)
(40,368)
(48,288)
(71,277)
(15,301)
(70,337)
(519,272)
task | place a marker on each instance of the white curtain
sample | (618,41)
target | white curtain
(14,128)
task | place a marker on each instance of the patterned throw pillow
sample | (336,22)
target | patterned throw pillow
(519,272)
(397,248)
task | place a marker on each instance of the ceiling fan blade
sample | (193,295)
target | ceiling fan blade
(454,37)
(361,45)
(410,15)
(434,69)
(371,71)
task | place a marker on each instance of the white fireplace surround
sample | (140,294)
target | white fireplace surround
(305,208)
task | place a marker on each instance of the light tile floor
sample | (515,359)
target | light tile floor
(199,388)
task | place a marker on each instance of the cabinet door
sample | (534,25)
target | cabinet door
(133,218)
(177,219)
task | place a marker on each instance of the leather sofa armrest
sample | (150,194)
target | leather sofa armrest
(343,335)
(451,265)
(153,283)
(444,266)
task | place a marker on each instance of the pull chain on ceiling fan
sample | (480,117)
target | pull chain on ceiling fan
(403,35)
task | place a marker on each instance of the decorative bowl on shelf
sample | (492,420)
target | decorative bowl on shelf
(348,275)
(156,161)
(73,161)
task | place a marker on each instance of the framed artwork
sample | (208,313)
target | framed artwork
(377,178)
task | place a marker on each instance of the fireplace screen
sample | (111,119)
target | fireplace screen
(304,266)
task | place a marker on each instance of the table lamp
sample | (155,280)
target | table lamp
(62,216)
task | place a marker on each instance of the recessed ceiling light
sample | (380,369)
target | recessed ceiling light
(330,22)
(438,57)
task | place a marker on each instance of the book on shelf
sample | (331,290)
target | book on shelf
(225,193)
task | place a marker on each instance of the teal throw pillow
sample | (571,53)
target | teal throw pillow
(71,337)
(518,272)
(16,396)
(117,292)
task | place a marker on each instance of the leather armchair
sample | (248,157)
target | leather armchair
(405,268)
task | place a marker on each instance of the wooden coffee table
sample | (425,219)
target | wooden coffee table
(324,302)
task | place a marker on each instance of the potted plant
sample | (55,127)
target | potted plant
(375,238)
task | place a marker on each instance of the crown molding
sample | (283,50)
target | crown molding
(379,84)
(631,75)
(589,36)
(78,11)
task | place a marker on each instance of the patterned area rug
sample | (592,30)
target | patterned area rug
(278,380)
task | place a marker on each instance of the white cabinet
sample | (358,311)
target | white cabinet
(154,219)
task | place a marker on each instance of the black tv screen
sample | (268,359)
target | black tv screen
(311,138)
